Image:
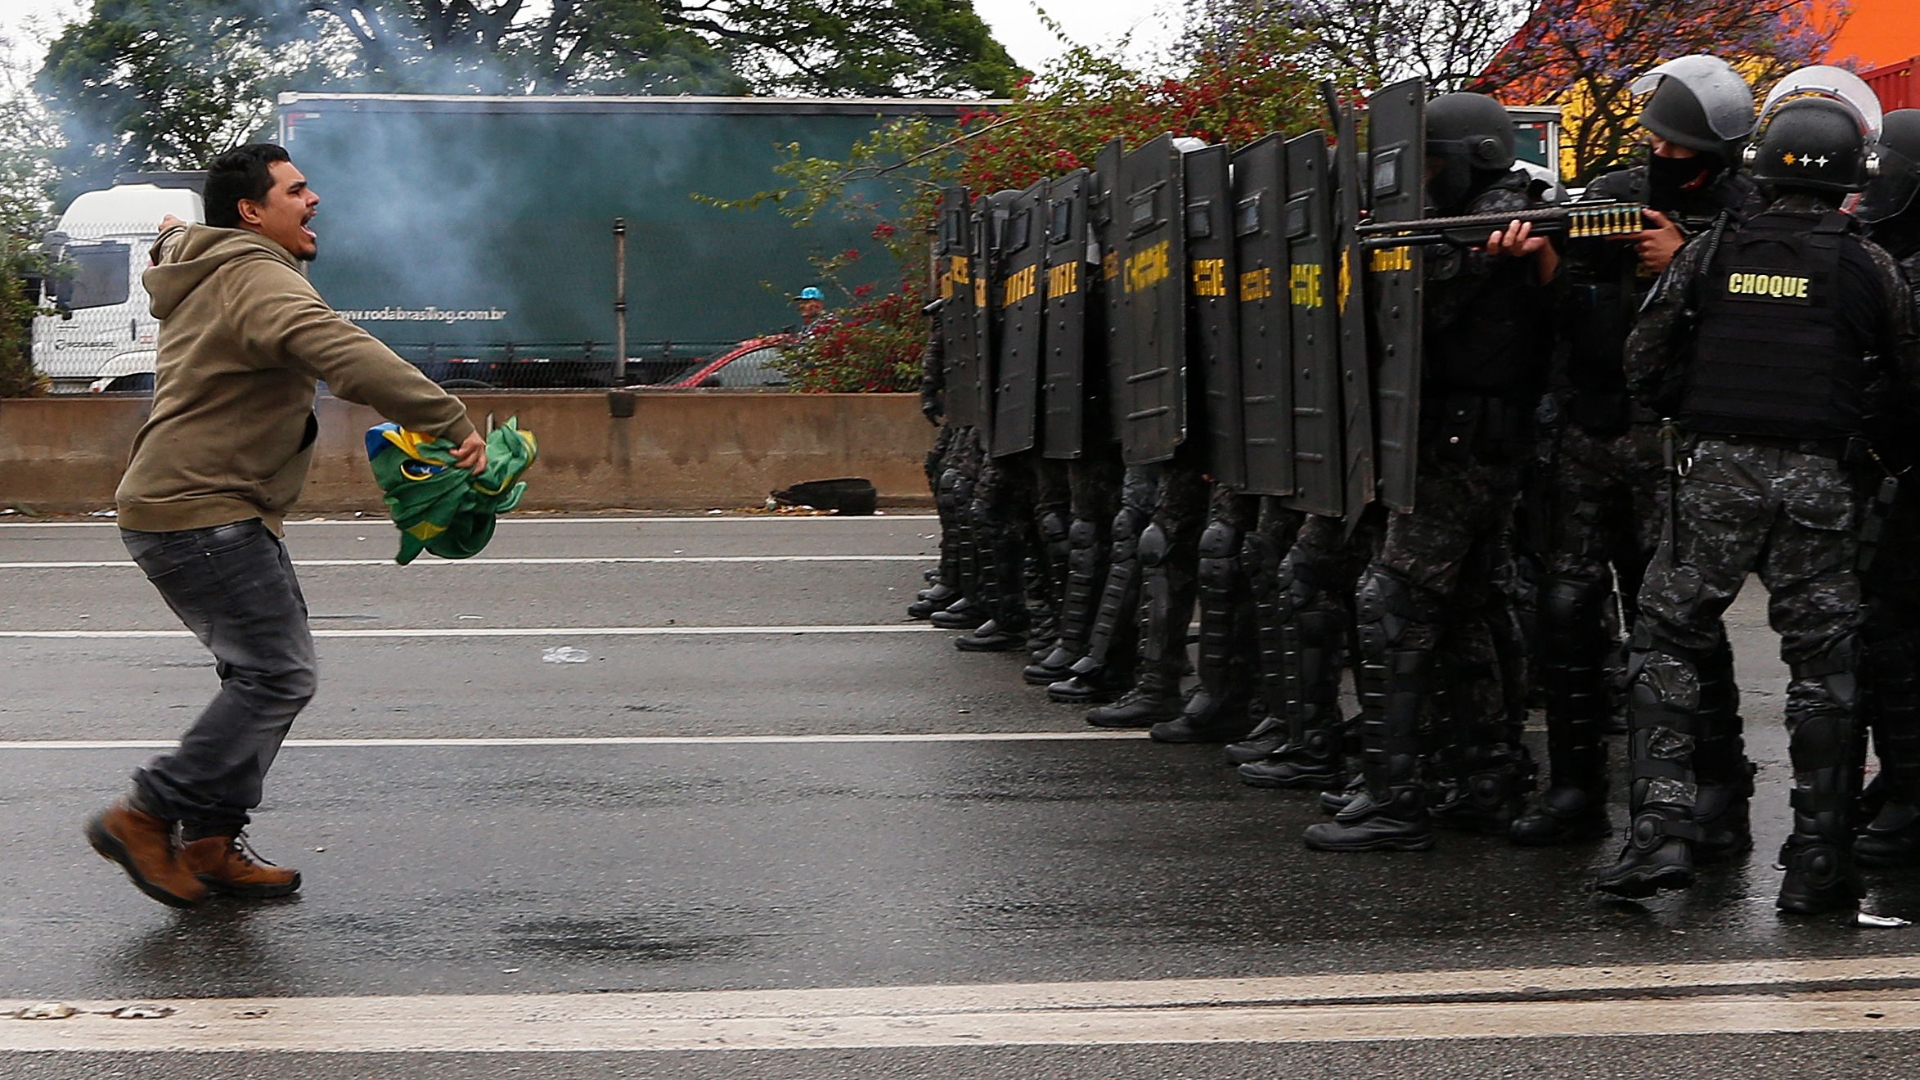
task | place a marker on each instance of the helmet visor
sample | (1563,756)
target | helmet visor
(1724,96)
(1835,83)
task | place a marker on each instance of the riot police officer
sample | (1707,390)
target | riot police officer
(1889,575)
(1603,472)
(1430,590)
(1792,317)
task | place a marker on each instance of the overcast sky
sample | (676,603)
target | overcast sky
(1099,23)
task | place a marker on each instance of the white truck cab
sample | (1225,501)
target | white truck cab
(91,348)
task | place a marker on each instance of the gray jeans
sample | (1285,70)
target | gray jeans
(233,586)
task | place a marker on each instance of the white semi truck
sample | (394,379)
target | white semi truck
(112,346)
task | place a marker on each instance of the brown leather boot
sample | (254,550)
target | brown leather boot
(143,846)
(229,865)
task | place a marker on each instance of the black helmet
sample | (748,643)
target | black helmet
(1891,193)
(1471,136)
(1699,102)
(1812,144)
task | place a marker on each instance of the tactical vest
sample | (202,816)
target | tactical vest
(1769,356)
(1497,344)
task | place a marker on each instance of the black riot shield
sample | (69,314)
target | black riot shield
(1067,281)
(1260,255)
(1216,316)
(1151,348)
(1397,138)
(1022,304)
(1356,360)
(1103,210)
(1307,221)
(959,328)
(989,222)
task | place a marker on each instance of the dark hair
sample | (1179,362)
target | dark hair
(240,173)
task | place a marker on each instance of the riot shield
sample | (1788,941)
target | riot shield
(1151,348)
(989,222)
(1397,137)
(1313,323)
(1356,361)
(1260,255)
(1215,354)
(1103,209)
(1022,309)
(1070,322)
(959,328)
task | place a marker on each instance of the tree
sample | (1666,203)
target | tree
(1234,89)
(168,83)
(26,139)
(1367,44)
(1585,55)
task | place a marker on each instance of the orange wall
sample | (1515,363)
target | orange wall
(1879,32)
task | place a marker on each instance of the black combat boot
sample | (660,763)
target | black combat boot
(943,582)
(1660,841)
(1572,654)
(1153,699)
(1218,709)
(1261,557)
(1085,573)
(1002,593)
(1396,634)
(1825,694)
(1106,669)
(1301,679)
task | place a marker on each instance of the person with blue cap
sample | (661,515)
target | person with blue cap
(811,304)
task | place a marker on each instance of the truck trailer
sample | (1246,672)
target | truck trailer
(515,241)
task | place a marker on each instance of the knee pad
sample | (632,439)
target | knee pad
(1388,605)
(1053,528)
(1834,674)
(1154,545)
(1220,540)
(1128,524)
(1083,534)
(1571,619)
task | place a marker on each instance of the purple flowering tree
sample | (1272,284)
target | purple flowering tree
(1585,54)
(1366,44)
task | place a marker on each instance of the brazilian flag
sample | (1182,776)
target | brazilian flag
(439,506)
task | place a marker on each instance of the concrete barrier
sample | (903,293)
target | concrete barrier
(678,451)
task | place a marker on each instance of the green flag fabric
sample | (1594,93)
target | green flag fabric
(438,506)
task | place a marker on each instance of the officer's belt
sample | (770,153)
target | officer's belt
(1835,448)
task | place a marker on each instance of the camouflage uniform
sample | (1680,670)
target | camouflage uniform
(1432,589)
(1778,506)
(1605,482)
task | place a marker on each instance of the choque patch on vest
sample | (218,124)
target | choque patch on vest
(1791,288)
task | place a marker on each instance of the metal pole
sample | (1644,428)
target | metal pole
(619,301)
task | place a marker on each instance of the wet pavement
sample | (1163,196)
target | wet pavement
(699,836)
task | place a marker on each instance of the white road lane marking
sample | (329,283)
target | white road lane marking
(512,520)
(1654,1000)
(437,632)
(127,564)
(613,740)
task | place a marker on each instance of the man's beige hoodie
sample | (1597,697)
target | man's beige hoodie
(243,336)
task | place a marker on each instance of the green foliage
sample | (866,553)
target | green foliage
(1237,89)
(17,375)
(25,176)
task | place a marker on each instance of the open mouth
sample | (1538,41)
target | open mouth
(304,227)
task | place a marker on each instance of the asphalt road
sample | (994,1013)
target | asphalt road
(768,827)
